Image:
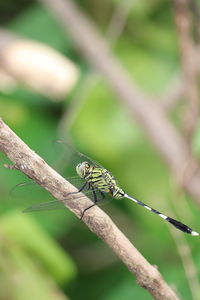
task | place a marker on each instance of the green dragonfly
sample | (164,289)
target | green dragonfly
(99,181)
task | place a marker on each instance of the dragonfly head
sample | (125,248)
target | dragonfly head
(83,169)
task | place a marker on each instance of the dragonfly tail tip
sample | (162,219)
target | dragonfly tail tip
(194,233)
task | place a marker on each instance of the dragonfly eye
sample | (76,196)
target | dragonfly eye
(87,166)
(82,169)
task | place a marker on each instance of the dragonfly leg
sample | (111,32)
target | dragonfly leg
(82,187)
(95,202)
(102,195)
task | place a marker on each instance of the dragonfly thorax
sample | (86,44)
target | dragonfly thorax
(100,178)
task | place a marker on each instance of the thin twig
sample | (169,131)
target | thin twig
(184,251)
(182,245)
(176,90)
(172,96)
(185,254)
(195,8)
(118,20)
(188,57)
(28,162)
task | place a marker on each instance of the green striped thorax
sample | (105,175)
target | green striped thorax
(100,178)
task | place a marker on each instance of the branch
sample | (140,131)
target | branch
(118,20)
(170,144)
(195,9)
(172,96)
(188,57)
(28,162)
(184,249)
(177,88)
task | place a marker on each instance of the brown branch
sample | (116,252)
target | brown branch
(184,249)
(177,88)
(118,20)
(195,9)
(28,162)
(188,57)
(172,96)
(149,115)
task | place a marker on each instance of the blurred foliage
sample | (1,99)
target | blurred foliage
(52,255)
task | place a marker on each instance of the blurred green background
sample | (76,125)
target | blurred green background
(52,255)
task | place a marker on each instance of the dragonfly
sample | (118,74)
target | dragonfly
(99,181)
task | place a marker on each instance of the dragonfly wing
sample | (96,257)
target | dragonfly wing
(50,205)
(80,154)
(23,188)
(19,185)
(56,204)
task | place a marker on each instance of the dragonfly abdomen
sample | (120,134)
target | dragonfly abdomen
(118,193)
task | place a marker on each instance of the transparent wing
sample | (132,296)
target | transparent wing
(70,148)
(75,157)
(20,188)
(19,185)
(50,205)
(56,205)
